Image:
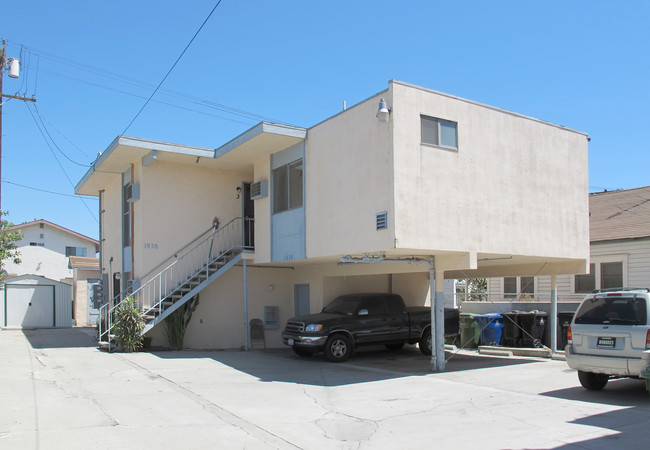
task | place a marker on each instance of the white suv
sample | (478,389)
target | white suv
(610,336)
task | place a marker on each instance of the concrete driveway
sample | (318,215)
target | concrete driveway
(58,391)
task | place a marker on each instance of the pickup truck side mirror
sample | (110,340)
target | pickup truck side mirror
(362,313)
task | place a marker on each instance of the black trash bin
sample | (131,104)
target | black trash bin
(511,332)
(563,323)
(532,325)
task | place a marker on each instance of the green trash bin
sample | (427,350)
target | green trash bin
(469,331)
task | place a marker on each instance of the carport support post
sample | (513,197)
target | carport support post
(436,281)
(553,319)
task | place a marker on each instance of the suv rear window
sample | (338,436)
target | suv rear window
(612,310)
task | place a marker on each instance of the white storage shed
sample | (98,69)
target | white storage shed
(32,301)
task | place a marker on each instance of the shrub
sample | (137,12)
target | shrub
(129,324)
(176,323)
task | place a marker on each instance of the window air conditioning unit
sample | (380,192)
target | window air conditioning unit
(132,193)
(259,189)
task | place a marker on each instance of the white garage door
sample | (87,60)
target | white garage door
(29,306)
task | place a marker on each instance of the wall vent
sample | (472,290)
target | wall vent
(132,192)
(382,220)
(259,189)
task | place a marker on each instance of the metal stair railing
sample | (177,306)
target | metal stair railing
(228,240)
(103,334)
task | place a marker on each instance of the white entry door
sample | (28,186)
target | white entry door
(29,306)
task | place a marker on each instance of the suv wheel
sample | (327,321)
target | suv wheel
(592,381)
(338,348)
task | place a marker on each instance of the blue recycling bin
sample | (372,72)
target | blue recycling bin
(490,326)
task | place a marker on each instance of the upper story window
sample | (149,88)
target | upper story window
(439,132)
(76,251)
(36,244)
(287,186)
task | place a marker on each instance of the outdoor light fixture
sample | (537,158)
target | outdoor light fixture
(383,112)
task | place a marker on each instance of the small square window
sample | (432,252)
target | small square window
(439,132)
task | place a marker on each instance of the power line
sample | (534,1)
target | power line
(172,68)
(57,147)
(119,91)
(49,192)
(61,133)
(57,160)
(141,84)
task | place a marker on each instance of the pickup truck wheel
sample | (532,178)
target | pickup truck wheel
(302,351)
(395,347)
(338,348)
(425,344)
(592,381)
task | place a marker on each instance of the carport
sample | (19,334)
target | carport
(31,301)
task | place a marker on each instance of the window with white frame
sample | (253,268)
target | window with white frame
(287,187)
(603,274)
(512,286)
(586,283)
(439,132)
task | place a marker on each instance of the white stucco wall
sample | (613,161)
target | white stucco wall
(48,261)
(514,186)
(349,180)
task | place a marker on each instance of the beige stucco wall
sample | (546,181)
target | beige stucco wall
(218,321)
(262,170)
(111,218)
(178,201)
(348,180)
(515,186)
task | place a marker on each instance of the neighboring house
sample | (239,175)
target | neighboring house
(355,203)
(620,251)
(45,248)
(34,296)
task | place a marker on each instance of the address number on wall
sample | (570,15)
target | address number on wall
(150,246)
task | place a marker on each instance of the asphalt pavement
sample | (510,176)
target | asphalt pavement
(58,391)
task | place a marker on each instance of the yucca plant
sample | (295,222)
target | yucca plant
(176,323)
(129,325)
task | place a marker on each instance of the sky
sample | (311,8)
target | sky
(91,66)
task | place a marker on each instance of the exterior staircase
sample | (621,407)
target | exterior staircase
(180,278)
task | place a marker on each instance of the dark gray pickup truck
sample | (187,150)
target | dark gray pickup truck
(353,320)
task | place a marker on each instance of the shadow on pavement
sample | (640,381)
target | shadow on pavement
(625,392)
(629,424)
(61,337)
(368,364)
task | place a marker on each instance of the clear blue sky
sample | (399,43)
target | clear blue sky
(584,64)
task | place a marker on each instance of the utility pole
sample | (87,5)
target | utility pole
(13,73)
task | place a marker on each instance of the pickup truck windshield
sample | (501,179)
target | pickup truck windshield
(342,305)
(612,310)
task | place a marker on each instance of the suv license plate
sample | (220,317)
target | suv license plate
(607,342)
